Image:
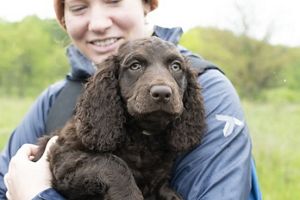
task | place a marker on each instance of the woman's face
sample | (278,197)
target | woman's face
(99,27)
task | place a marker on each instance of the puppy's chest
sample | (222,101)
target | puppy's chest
(146,154)
(149,160)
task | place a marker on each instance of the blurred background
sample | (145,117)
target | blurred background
(256,43)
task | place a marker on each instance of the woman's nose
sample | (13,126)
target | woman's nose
(100,20)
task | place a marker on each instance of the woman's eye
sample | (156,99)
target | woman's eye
(135,66)
(113,1)
(77,8)
(175,66)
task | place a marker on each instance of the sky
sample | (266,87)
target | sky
(280,18)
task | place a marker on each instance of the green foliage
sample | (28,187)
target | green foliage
(252,65)
(291,73)
(31,58)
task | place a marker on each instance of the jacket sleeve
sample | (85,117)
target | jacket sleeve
(49,194)
(29,130)
(220,167)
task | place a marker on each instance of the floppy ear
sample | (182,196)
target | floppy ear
(100,113)
(187,130)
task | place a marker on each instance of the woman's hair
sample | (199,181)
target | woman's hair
(59,9)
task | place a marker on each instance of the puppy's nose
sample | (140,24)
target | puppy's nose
(161,93)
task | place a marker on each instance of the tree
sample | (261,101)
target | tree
(32,56)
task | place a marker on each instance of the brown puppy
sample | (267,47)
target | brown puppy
(139,112)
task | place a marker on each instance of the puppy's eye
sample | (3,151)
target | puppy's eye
(175,66)
(135,66)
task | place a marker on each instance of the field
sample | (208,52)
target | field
(275,130)
(12,111)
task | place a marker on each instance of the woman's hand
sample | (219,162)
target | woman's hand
(25,178)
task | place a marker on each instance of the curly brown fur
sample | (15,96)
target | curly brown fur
(100,112)
(181,136)
(139,111)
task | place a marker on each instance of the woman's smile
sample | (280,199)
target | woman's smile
(105,45)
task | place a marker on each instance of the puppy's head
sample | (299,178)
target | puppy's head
(149,80)
(152,79)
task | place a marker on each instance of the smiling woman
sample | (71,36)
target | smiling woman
(97,28)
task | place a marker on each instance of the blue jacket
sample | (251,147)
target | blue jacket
(221,167)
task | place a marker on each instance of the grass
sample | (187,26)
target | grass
(274,129)
(12,111)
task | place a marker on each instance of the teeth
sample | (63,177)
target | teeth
(106,42)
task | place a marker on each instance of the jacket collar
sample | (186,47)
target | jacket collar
(82,67)
(168,34)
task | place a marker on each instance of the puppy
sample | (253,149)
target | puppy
(141,110)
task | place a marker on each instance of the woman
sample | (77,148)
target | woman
(220,168)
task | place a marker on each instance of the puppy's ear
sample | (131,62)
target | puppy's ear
(100,113)
(188,129)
